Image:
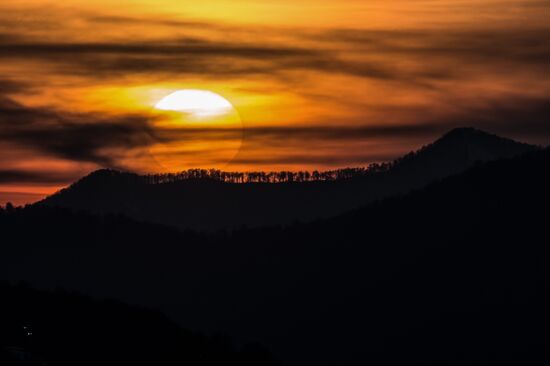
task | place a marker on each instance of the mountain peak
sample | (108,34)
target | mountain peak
(465,132)
(105,172)
(97,174)
(458,149)
(475,143)
(471,133)
(97,180)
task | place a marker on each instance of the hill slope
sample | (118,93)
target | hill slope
(453,274)
(212,205)
(63,328)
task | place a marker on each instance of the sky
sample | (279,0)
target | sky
(315,84)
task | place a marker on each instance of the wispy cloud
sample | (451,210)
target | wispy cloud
(430,54)
(77,137)
(42,177)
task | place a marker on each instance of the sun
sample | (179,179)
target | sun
(196,103)
(196,129)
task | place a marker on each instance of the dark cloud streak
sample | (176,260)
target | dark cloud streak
(76,137)
(37,176)
(344,51)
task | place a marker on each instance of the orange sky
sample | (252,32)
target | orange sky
(317,84)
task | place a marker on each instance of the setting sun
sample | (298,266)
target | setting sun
(194,128)
(196,103)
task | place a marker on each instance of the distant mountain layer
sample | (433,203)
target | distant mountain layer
(453,274)
(212,205)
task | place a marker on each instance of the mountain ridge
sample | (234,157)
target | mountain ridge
(460,136)
(209,203)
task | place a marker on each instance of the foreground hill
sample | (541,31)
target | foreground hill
(455,273)
(63,328)
(212,204)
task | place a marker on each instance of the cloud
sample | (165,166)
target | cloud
(124,20)
(339,133)
(439,54)
(77,137)
(8,86)
(430,54)
(37,176)
(174,57)
(317,132)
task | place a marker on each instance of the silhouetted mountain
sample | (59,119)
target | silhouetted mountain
(208,203)
(455,152)
(453,274)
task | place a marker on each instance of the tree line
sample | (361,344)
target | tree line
(281,176)
(267,177)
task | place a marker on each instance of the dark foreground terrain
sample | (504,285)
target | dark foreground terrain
(454,274)
(64,328)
